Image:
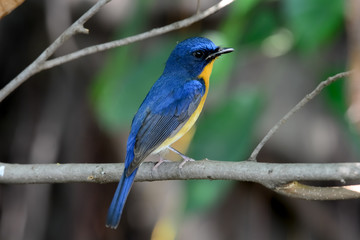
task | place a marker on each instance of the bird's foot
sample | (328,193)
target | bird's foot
(160,162)
(186,159)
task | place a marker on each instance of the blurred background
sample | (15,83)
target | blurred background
(81,111)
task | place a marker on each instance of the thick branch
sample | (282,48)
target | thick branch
(271,175)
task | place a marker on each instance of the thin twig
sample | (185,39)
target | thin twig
(297,107)
(132,39)
(41,62)
(35,66)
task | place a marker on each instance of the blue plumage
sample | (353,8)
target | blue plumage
(168,106)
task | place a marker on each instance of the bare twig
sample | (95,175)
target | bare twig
(152,33)
(35,66)
(271,175)
(297,107)
(41,62)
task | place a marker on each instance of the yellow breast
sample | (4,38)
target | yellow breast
(205,75)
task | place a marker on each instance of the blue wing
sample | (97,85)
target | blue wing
(163,118)
(161,115)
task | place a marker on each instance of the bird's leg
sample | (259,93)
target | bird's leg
(161,160)
(185,158)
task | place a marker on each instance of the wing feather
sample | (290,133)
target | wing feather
(165,118)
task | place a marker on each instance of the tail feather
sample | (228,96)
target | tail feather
(119,199)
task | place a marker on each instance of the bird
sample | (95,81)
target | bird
(168,111)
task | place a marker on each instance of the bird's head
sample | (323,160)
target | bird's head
(192,55)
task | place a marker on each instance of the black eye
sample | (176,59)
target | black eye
(198,54)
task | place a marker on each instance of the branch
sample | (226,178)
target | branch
(36,66)
(41,63)
(271,175)
(281,178)
(297,107)
(152,33)
(298,190)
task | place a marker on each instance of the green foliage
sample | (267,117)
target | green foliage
(204,194)
(313,22)
(127,75)
(233,26)
(259,26)
(123,84)
(336,98)
(223,134)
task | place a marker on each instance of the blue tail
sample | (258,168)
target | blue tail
(119,199)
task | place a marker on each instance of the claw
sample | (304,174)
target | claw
(186,158)
(159,163)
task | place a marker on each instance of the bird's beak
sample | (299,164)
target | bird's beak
(219,51)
